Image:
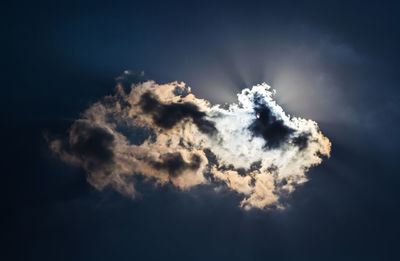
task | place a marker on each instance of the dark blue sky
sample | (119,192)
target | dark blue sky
(336,63)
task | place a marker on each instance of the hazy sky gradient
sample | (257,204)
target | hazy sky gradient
(337,64)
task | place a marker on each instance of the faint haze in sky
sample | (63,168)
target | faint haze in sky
(336,63)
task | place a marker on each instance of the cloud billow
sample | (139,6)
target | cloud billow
(165,134)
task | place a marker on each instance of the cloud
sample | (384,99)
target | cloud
(165,134)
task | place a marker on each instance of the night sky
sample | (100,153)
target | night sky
(335,63)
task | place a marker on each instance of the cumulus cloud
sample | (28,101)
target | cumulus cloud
(165,134)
